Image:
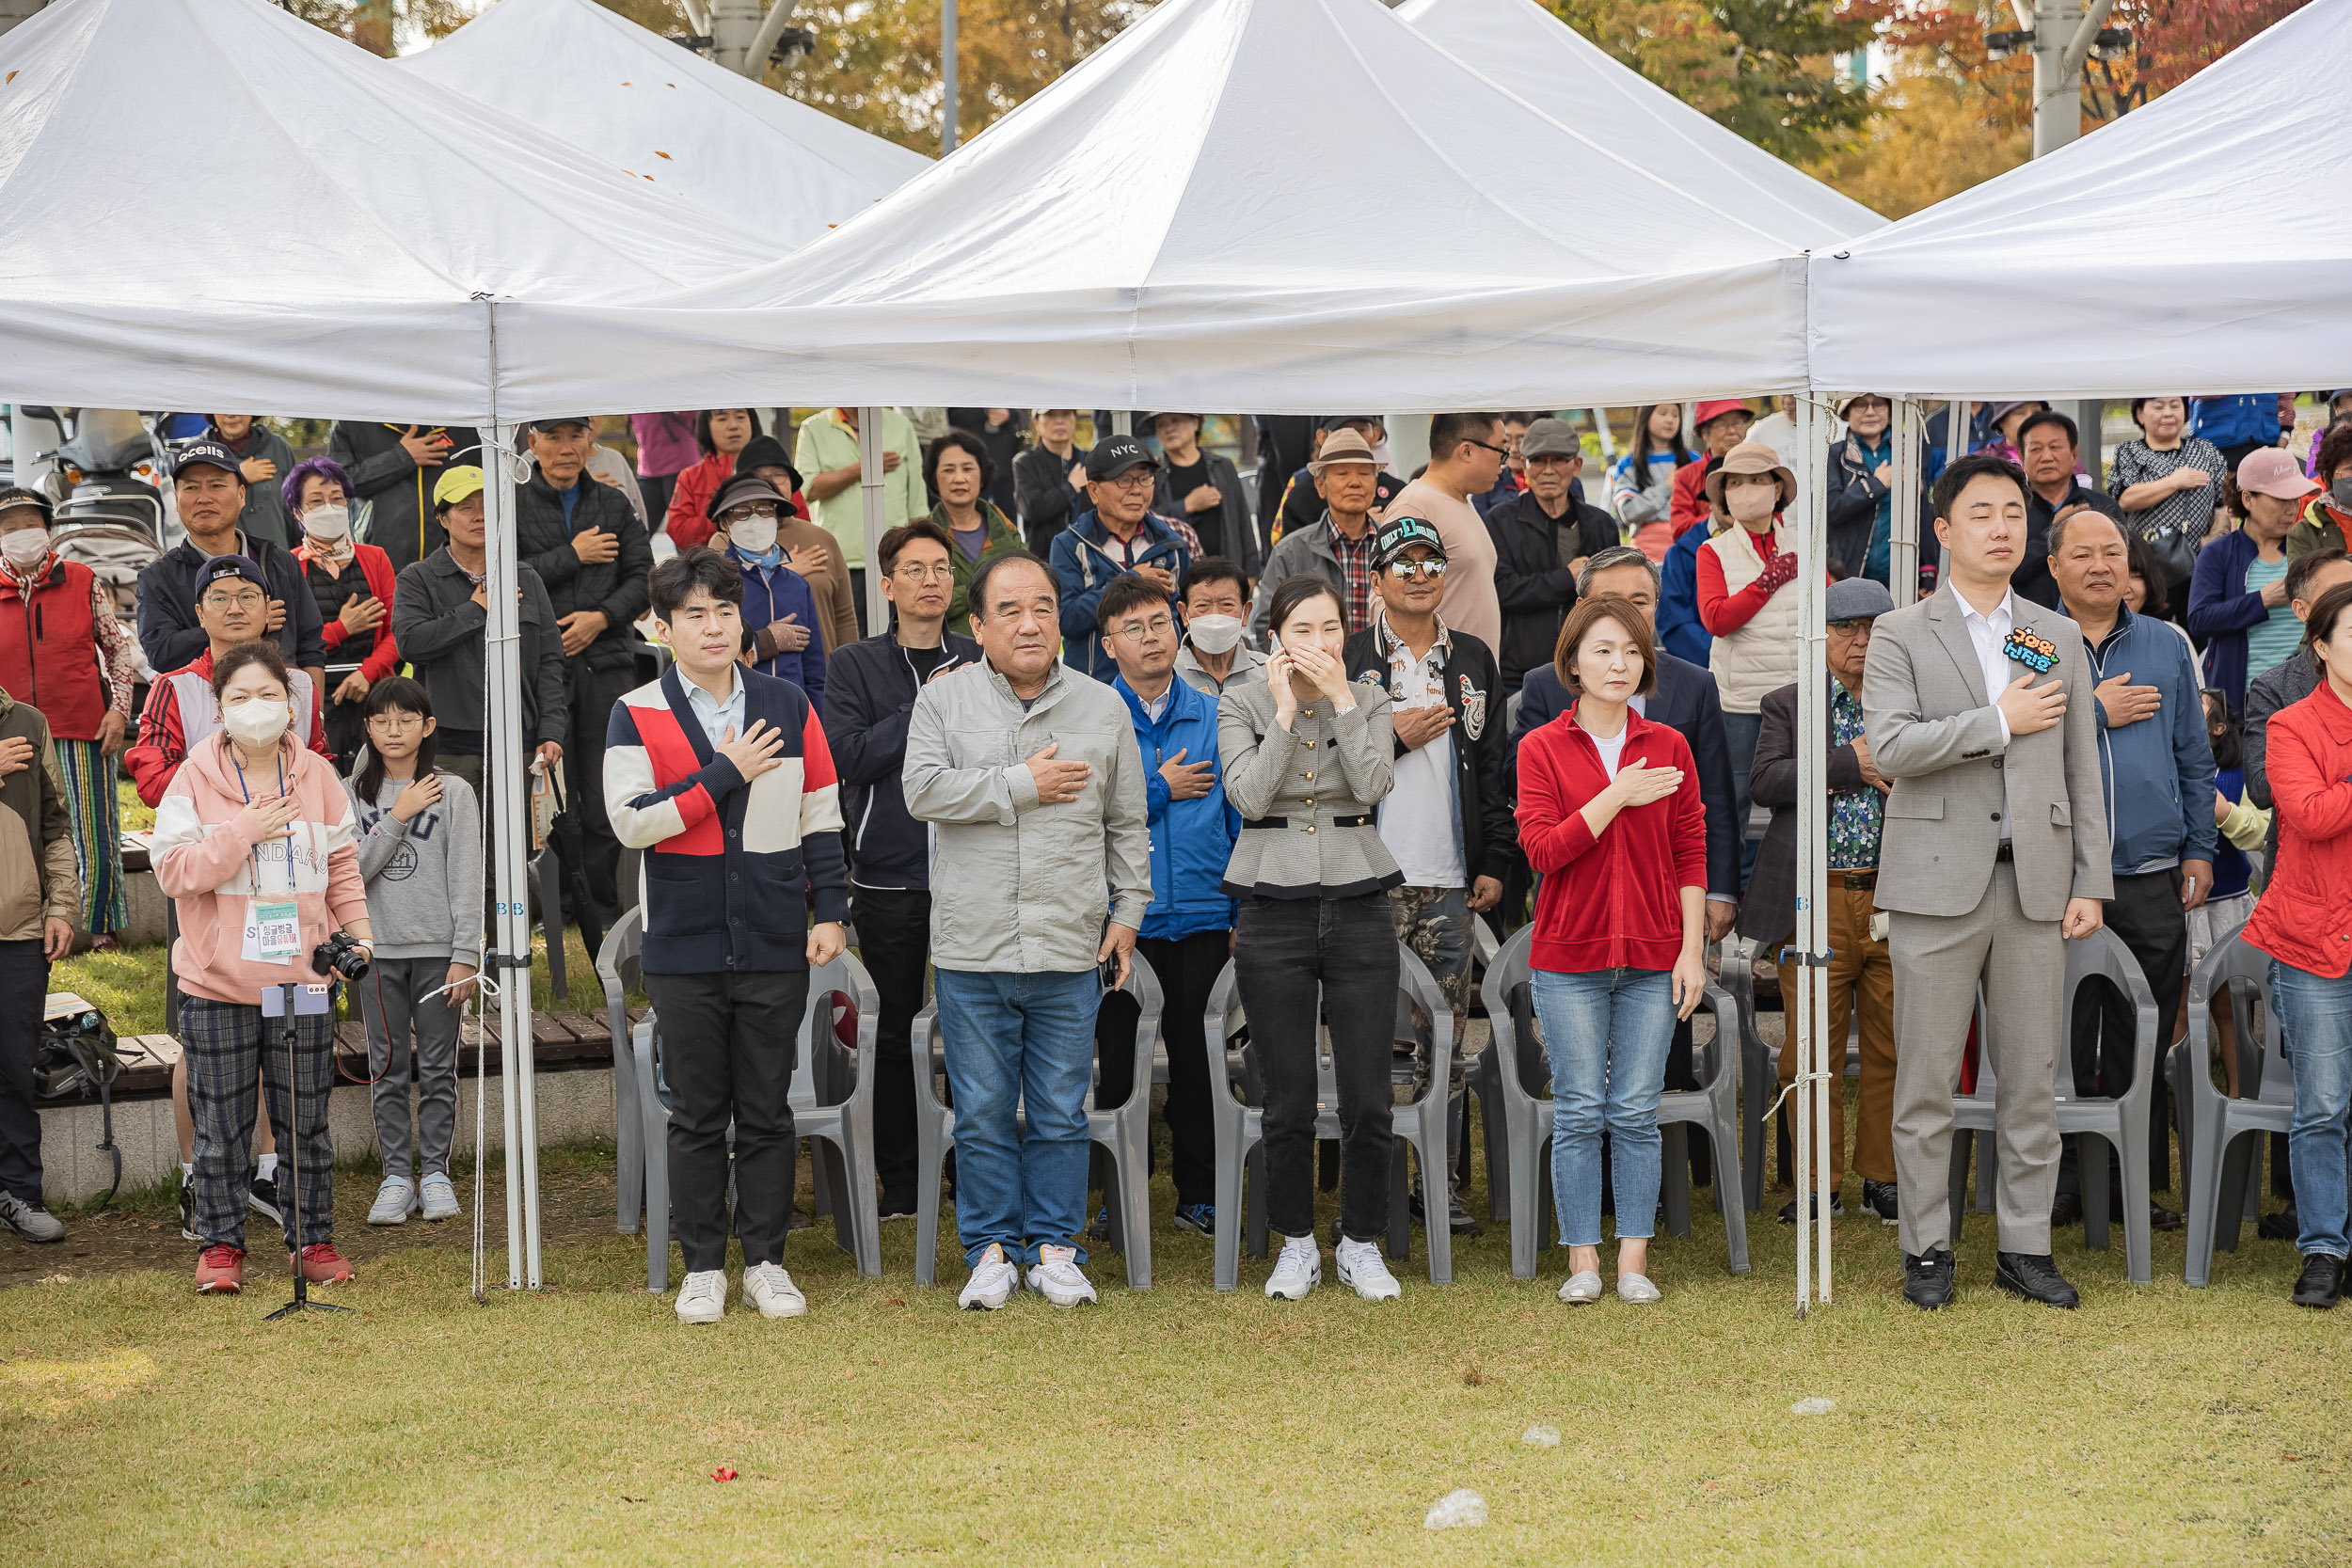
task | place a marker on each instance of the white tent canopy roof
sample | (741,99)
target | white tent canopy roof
(327,255)
(1518,45)
(601,83)
(2200,245)
(1284,205)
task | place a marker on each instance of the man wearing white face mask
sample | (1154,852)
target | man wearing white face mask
(353,586)
(1215,599)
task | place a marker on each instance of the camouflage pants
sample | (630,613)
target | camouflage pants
(1433,923)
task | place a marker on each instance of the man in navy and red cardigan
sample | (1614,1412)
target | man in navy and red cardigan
(721,776)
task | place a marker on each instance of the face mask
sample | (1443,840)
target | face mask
(754,535)
(258,722)
(27,545)
(326,522)
(1215,634)
(2340,492)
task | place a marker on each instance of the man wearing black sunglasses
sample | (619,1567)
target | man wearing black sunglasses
(1465,453)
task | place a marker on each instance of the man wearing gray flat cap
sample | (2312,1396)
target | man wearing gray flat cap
(1543,535)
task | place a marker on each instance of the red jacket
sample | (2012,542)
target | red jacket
(2305,916)
(1689,506)
(165,738)
(374,565)
(696,486)
(1616,901)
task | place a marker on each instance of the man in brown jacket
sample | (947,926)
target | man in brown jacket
(39,894)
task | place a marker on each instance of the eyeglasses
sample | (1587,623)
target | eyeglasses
(745,514)
(396,721)
(1159,625)
(1499,452)
(1134,479)
(234,601)
(1417,571)
(915,572)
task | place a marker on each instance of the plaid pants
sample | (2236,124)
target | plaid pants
(229,1045)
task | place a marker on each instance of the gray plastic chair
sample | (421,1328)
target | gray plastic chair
(618,968)
(2122,1123)
(1124,1132)
(2218,1153)
(1478,1078)
(823,1107)
(1241,1127)
(1713,1105)
(1760,1074)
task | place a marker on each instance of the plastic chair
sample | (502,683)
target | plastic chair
(1124,1132)
(1713,1105)
(847,1123)
(618,967)
(2122,1123)
(1760,1074)
(1479,1078)
(1241,1126)
(2216,1152)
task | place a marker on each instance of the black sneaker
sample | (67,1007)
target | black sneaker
(1928,1278)
(187,1208)
(895,1208)
(2036,1278)
(1836,1208)
(263,1198)
(2321,1281)
(1878,1198)
(1101,1229)
(1458,1218)
(1197,1216)
(2067,1208)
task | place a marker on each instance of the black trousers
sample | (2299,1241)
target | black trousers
(857,591)
(346,725)
(2146,913)
(593,692)
(23,986)
(894,936)
(1291,955)
(728,1044)
(1187,968)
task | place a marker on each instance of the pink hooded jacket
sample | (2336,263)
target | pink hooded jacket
(206,859)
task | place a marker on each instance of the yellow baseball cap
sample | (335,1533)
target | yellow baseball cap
(455,484)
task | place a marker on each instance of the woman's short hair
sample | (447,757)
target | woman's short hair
(702,429)
(958,440)
(1293,591)
(2321,624)
(2155,594)
(310,468)
(2335,450)
(673,582)
(1589,613)
(264,654)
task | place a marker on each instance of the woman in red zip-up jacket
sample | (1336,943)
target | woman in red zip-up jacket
(1610,817)
(2304,921)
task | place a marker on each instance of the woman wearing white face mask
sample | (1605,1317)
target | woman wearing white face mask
(63,651)
(255,844)
(780,619)
(353,585)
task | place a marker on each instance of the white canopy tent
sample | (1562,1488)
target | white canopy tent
(601,84)
(2200,244)
(1518,45)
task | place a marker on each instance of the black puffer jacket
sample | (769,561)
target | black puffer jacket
(1535,590)
(616,587)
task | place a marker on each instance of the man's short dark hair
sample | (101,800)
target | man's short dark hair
(977,595)
(674,581)
(1213,568)
(2049,416)
(1963,470)
(1447,432)
(2335,450)
(2306,566)
(959,440)
(899,538)
(1126,594)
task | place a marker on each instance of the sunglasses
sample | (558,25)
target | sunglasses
(1417,571)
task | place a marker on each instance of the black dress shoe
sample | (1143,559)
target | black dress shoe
(2067,1208)
(2321,1281)
(2281,1225)
(1927,1279)
(2036,1278)
(1813,1210)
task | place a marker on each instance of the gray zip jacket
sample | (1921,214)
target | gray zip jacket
(1017,886)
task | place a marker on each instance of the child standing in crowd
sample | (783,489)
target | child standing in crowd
(420,860)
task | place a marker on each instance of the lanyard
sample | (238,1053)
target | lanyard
(256,851)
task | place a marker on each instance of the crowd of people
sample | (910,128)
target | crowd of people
(1297,731)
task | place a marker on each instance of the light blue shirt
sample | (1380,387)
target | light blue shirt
(716,717)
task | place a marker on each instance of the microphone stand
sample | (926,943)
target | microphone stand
(293,1001)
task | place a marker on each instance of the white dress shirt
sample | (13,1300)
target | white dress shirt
(1987,634)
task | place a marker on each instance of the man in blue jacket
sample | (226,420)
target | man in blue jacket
(1188,935)
(1679,630)
(1120,534)
(2156,765)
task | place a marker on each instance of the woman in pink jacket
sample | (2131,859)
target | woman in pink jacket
(255,844)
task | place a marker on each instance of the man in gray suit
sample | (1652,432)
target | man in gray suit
(1995,852)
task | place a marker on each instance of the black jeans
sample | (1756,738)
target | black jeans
(23,983)
(1187,968)
(2146,913)
(1293,953)
(728,1044)
(894,936)
(594,695)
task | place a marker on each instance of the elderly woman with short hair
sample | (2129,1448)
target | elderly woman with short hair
(352,584)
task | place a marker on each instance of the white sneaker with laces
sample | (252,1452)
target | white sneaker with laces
(1297,1270)
(1363,1270)
(994,1281)
(1055,1275)
(395,1200)
(703,1299)
(438,1196)
(767,1287)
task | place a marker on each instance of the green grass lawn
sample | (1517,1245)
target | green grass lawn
(139,1424)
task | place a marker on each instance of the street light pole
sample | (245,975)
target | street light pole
(2063,32)
(947,77)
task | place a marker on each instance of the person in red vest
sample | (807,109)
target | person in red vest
(63,651)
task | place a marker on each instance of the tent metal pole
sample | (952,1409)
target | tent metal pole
(1798,1010)
(1902,550)
(1813,681)
(1123,422)
(874,505)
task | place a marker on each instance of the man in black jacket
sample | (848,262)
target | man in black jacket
(869,692)
(584,541)
(395,469)
(1543,536)
(210,493)
(2049,445)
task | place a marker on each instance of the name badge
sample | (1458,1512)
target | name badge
(273,931)
(2037,654)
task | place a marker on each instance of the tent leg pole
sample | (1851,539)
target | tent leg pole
(505,766)
(873,506)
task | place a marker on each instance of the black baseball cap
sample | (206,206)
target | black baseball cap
(547,426)
(1111,458)
(221,567)
(210,451)
(16,495)
(1398,534)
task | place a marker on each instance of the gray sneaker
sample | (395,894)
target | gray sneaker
(30,1220)
(395,1200)
(440,1196)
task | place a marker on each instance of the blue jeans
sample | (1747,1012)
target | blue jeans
(2316,1013)
(1607,1034)
(1015,1043)
(1741,734)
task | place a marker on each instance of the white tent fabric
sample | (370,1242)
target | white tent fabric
(208,203)
(2198,245)
(602,83)
(1284,205)
(1518,45)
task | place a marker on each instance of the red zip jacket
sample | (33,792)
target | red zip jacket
(1616,901)
(2305,915)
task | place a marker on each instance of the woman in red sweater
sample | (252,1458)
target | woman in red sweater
(1611,820)
(721,433)
(2304,921)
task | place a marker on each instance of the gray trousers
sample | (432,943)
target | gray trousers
(1938,960)
(396,999)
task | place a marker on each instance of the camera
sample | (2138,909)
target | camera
(339,956)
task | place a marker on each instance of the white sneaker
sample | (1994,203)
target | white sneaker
(994,1281)
(767,1287)
(1363,1268)
(1582,1289)
(703,1299)
(438,1196)
(1056,1276)
(1297,1270)
(395,1200)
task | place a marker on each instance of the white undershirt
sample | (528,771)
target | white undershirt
(1611,747)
